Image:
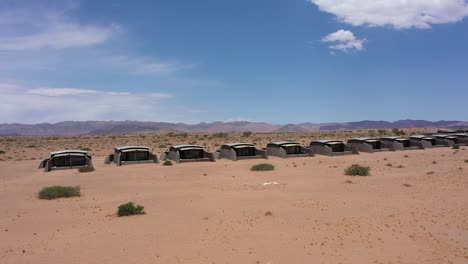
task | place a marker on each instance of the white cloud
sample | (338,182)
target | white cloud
(28,29)
(34,105)
(139,65)
(401,14)
(344,40)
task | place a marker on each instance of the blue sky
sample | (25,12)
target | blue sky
(266,60)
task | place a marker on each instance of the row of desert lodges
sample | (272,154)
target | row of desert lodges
(65,159)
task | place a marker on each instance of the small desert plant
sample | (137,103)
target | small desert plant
(466,161)
(262,167)
(400,166)
(434,162)
(85,148)
(130,209)
(86,169)
(167,163)
(247,133)
(455,146)
(389,165)
(162,146)
(54,192)
(2,151)
(357,170)
(406,156)
(31,146)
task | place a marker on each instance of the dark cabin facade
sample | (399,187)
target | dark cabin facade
(187,153)
(66,159)
(427,141)
(287,149)
(369,145)
(238,151)
(400,143)
(448,139)
(131,155)
(332,148)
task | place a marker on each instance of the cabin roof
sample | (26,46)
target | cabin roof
(131,147)
(328,141)
(186,146)
(237,144)
(460,134)
(393,137)
(280,143)
(421,136)
(84,152)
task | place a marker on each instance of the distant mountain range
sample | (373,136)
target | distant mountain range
(120,127)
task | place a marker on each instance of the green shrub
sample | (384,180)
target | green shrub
(85,149)
(167,163)
(357,170)
(2,151)
(54,192)
(455,146)
(86,169)
(262,167)
(31,146)
(130,209)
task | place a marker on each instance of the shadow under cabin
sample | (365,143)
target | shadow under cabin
(239,151)
(187,153)
(131,155)
(332,148)
(287,149)
(66,159)
(369,145)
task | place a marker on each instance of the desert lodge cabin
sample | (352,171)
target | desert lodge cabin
(66,159)
(131,155)
(237,151)
(400,143)
(332,148)
(187,153)
(287,149)
(448,139)
(427,141)
(368,145)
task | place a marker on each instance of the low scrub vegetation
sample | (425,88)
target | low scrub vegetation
(357,170)
(263,167)
(2,151)
(130,208)
(55,192)
(86,169)
(167,163)
(455,146)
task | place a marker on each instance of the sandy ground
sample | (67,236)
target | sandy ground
(215,212)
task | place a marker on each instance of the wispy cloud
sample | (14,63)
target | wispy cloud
(399,14)
(50,29)
(33,105)
(141,65)
(344,40)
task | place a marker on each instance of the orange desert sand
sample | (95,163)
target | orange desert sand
(218,212)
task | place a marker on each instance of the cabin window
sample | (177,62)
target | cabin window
(293,150)
(374,144)
(406,143)
(134,155)
(68,161)
(243,152)
(337,147)
(191,154)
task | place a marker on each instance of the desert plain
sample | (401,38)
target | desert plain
(413,208)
